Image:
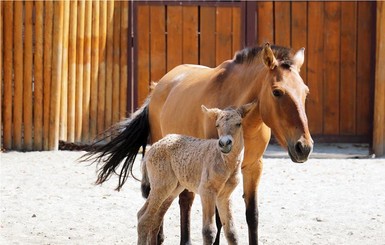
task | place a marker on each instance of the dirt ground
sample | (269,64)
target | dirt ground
(50,198)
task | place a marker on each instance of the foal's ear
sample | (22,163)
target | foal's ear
(268,57)
(212,113)
(245,109)
(299,58)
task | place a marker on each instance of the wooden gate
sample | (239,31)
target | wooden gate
(339,38)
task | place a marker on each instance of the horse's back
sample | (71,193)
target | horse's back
(175,105)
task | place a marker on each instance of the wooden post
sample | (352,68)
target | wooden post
(102,66)
(18,76)
(1,74)
(116,71)
(124,35)
(27,93)
(48,17)
(87,71)
(110,60)
(8,59)
(57,57)
(94,69)
(79,71)
(72,72)
(379,91)
(38,77)
(64,75)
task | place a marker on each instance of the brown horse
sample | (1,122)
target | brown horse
(268,76)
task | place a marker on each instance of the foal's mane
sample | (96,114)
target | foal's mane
(282,54)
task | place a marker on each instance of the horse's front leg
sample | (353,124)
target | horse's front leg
(251,175)
(225,212)
(186,199)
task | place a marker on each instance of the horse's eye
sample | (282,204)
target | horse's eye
(238,125)
(277,93)
(217,125)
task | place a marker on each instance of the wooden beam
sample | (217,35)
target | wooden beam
(379,91)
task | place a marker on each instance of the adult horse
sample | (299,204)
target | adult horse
(267,75)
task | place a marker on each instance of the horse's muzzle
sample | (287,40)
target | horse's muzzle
(300,151)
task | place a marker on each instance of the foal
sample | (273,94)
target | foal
(207,167)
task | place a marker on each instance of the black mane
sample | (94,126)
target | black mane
(282,54)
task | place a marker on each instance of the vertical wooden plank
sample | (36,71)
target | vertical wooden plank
(365,63)
(87,72)
(57,58)
(8,59)
(64,74)
(28,83)
(38,77)
(265,22)
(379,91)
(190,35)
(282,23)
(72,72)
(48,18)
(223,38)
(124,37)
(348,68)
(315,67)
(102,65)
(116,70)
(237,31)
(157,42)
(18,76)
(332,67)
(207,49)
(94,68)
(79,70)
(299,32)
(143,41)
(110,60)
(1,75)
(174,36)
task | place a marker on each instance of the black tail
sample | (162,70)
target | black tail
(132,135)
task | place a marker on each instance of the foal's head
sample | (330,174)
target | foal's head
(229,125)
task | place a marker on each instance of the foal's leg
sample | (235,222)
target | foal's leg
(186,199)
(224,208)
(209,230)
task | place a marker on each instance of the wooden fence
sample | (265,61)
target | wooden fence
(65,70)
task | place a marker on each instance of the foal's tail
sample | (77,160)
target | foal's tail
(132,134)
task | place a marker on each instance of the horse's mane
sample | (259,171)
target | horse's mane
(282,54)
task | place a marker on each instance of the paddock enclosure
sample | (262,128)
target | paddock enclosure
(70,69)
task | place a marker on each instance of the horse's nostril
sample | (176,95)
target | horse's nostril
(220,143)
(229,142)
(299,148)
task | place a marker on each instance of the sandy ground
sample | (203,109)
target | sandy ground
(49,198)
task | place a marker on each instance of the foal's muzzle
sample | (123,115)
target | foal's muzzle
(225,143)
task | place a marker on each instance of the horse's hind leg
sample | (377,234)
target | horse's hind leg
(219,226)
(186,199)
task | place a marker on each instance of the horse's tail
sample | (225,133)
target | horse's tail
(132,134)
(145,183)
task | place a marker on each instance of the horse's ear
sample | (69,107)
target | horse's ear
(212,113)
(245,109)
(299,58)
(268,57)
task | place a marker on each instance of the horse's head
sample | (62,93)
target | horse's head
(282,101)
(228,123)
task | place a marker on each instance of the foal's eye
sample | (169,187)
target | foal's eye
(277,93)
(217,125)
(238,125)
